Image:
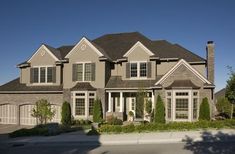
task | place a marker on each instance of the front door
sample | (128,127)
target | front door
(132,105)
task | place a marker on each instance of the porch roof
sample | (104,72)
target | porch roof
(117,82)
(182,84)
(83,86)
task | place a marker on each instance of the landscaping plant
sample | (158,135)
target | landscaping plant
(159,116)
(204,112)
(66,117)
(97,111)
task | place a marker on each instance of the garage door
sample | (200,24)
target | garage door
(7,114)
(25,115)
(57,116)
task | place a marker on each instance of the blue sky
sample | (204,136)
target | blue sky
(25,25)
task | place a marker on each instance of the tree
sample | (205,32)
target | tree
(230,89)
(66,114)
(141,94)
(43,111)
(159,116)
(224,107)
(204,112)
(97,111)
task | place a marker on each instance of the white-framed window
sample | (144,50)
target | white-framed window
(84,71)
(80,106)
(169,104)
(42,74)
(91,99)
(195,105)
(138,69)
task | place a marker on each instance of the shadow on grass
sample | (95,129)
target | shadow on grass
(220,143)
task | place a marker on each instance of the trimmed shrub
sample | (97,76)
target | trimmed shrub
(204,112)
(111,120)
(159,116)
(66,114)
(148,106)
(97,111)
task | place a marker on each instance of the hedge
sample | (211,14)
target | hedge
(176,126)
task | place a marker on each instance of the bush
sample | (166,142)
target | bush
(131,114)
(110,129)
(128,128)
(66,114)
(111,120)
(159,116)
(93,132)
(97,111)
(224,107)
(148,106)
(204,112)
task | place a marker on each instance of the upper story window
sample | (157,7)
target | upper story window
(84,72)
(138,69)
(42,74)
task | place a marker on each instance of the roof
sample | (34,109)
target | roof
(220,93)
(16,86)
(182,84)
(114,46)
(117,82)
(83,86)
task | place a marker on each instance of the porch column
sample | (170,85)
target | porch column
(121,102)
(152,99)
(110,107)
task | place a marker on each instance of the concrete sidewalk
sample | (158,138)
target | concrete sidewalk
(124,139)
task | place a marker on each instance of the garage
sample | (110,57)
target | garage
(57,116)
(25,115)
(7,114)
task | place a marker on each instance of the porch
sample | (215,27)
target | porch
(120,103)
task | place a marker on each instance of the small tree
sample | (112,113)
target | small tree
(224,106)
(97,111)
(230,89)
(159,116)
(204,112)
(141,94)
(43,111)
(66,114)
(148,106)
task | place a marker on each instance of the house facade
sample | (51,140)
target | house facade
(113,68)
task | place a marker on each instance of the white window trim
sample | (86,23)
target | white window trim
(197,104)
(86,97)
(138,70)
(83,70)
(39,74)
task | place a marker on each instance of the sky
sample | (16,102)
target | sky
(26,24)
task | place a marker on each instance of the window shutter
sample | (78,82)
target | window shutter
(92,71)
(31,75)
(149,69)
(74,72)
(127,70)
(54,74)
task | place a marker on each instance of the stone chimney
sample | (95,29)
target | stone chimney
(210,61)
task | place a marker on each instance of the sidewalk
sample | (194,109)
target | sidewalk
(124,139)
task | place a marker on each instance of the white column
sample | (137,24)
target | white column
(121,102)
(190,115)
(152,99)
(109,107)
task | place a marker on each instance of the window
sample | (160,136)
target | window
(91,105)
(80,106)
(133,104)
(169,108)
(138,69)
(88,72)
(181,108)
(195,108)
(181,93)
(80,72)
(80,94)
(143,69)
(42,74)
(133,69)
(195,93)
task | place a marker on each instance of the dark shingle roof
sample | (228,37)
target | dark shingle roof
(15,85)
(64,50)
(117,82)
(83,86)
(220,93)
(182,84)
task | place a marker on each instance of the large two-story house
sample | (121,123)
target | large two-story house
(113,68)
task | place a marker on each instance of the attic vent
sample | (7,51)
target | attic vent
(83,47)
(43,52)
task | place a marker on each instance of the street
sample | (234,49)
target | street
(168,148)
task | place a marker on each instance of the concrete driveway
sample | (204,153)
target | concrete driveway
(5,129)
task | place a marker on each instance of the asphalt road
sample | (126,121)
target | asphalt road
(171,148)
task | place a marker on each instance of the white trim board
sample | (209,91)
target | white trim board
(186,64)
(88,43)
(45,48)
(138,44)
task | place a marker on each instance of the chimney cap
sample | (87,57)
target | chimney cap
(210,42)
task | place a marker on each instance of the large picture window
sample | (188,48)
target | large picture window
(138,69)
(181,108)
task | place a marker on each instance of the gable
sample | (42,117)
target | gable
(43,56)
(82,45)
(183,70)
(138,50)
